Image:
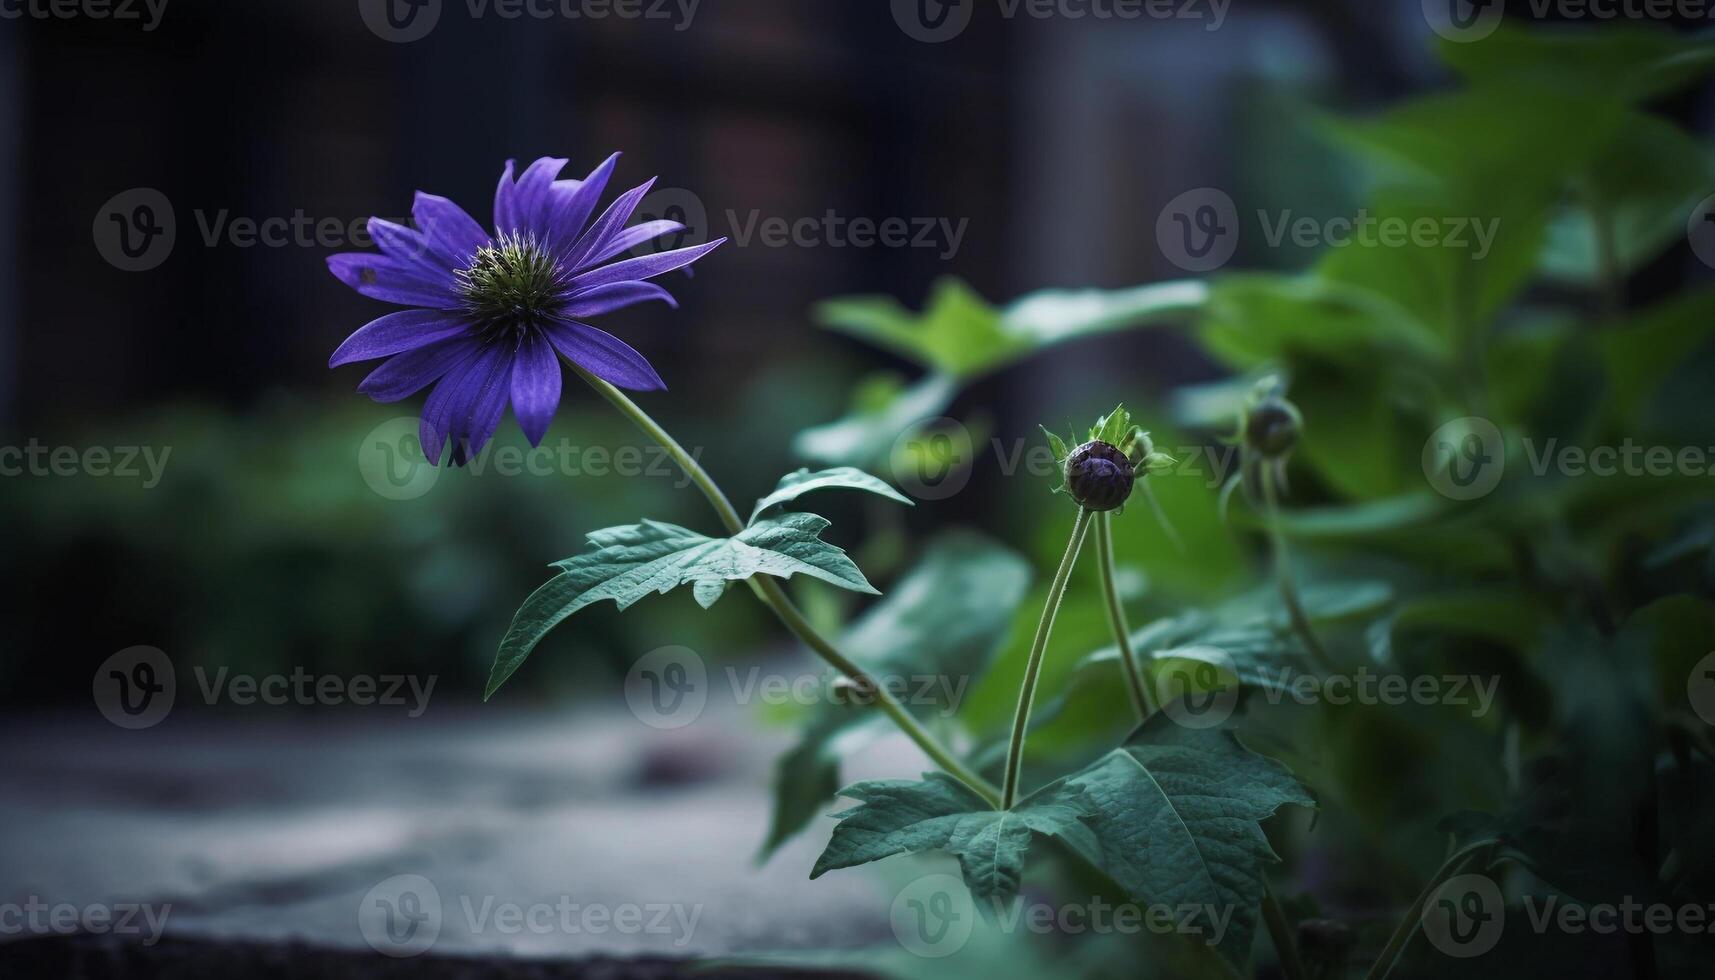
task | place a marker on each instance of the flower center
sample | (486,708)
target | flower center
(513,285)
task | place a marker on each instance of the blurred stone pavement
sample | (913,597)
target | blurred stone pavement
(582,837)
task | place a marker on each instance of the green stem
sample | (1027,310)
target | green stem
(1033,668)
(1407,927)
(1280,931)
(769,591)
(1140,693)
(1283,571)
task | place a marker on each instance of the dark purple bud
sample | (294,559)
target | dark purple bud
(1272,426)
(1099,476)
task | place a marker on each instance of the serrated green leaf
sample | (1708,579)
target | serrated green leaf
(795,485)
(1176,814)
(1173,818)
(636,560)
(943,620)
(942,814)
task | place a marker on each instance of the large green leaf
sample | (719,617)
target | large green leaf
(942,814)
(1173,818)
(1177,815)
(636,560)
(943,620)
(795,485)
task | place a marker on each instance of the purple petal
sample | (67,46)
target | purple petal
(634,236)
(439,410)
(535,387)
(453,234)
(524,206)
(398,332)
(615,296)
(611,222)
(380,277)
(407,246)
(644,267)
(486,388)
(408,373)
(604,355)
(504,217)
(534,196)
(574,204)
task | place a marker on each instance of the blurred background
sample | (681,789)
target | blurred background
(263,532)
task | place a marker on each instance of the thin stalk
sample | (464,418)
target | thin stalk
(769,591)
(1033,668)
(1141,699)
(1283,572)
(1280,932)
(1407,927)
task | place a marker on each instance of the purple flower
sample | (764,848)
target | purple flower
(495,312)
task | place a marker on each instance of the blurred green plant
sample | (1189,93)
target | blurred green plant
(1581,604)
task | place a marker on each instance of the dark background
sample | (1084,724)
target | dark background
(1059,141)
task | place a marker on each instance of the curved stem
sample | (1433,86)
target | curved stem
(1407,927)
(1283,571)
(770,592)
(1140,694)
(1280,932)
(1033,668)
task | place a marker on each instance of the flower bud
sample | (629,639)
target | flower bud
(1271,427)
(1099,476)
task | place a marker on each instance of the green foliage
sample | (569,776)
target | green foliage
(637,560)
(1172,818)
(942,814)
(944,620)
(795,485)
